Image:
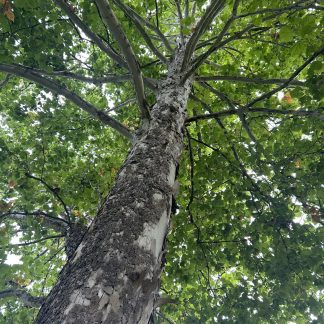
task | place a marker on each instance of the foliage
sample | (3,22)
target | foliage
(245,244)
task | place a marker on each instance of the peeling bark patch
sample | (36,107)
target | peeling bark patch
(76,299)
(92,279)
(153,235)
(78,252)
(157,197)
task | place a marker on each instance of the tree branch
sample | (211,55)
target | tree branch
(201,59)
(54,191)
(142,31)
(179,14)
(26,298)
(113,78)
(214,8)
(276,10)
(255,80)
(100,80)
(94,37)
(111,21)
(56,223)
(287,82)
(229,112)
(146,23)
(5,80)
(58,88)
(36,241)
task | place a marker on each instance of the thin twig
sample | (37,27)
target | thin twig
(34,242)
(54,191)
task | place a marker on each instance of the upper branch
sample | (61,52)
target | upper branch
(54,191)
(141,29)
(56,223)
(279,11)
(255,80)
(5,81)
(143,21)
(285,84)
(93,36)
(214,8)
(201,59)
(111,21)
(180,17)
(58,88)
(36,241)
(98,80)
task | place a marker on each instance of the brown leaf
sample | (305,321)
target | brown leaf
(12,184)
(288,98)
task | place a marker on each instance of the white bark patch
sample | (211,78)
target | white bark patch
(140,205)
(171,175)
(157,196)
(104,298)
(152,237)
(78,252)
(114,300)
(93,277)
(76,299)
(114,304)
(105,314)
(142,145)
(121,174)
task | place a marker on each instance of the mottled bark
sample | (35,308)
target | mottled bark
(113,276)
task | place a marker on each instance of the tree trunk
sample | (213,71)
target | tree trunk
(113,276)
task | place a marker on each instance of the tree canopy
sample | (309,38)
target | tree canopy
(244,245)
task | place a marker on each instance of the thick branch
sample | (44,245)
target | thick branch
(255,80)
(278,10)
(56,223)
(154,28)
(94,37)
(229,112)
(179,14)
(99,80)
(58,88)
(285,84)
(214,8)
(141,29)
(26,298)
(111,21)
(110,78)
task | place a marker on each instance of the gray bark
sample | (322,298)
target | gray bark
(113,276)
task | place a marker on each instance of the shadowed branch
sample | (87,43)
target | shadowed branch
(58,88)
